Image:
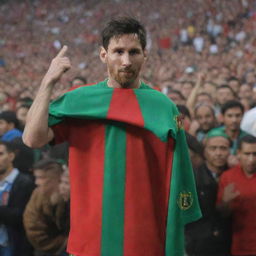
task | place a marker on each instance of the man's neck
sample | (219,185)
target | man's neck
(233,134)
(214,169)
(114,84)
(6,173)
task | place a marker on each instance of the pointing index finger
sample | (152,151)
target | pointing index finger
(62,52)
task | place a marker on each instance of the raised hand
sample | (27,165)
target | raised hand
(230,193)
(59,65)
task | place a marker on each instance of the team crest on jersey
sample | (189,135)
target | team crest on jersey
(179,121)
(185,200)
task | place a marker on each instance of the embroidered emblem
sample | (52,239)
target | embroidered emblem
(179,121)
(185,200)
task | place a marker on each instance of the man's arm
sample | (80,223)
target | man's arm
(36,132)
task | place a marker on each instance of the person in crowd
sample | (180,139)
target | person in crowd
(237,191)
(232,112)
(9,126)
(111,206)
(204,121)
(15,191)
(21,113)
(224,93)
(211,235)
(45,218)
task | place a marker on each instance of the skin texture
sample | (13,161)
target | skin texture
(223,95)
(216,153)
(6,159)
(205,118)
(247,157)
(232,119)
(124,58)
(4,126)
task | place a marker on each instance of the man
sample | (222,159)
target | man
(204,121)
(232,112)
(121,154)
(9,126)
(15,191)
(237,191)
(211,235)
(224,93)
(45,212)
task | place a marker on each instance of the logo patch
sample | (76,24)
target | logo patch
(179,121)
(185,200)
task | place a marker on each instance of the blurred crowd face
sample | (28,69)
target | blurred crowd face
(223,95)
(216,151)
(124,58)
(6,159)
(247,157)
(232,119)
(40,177)
(186,89)
(205,117)
(210,89)
(5,126)
(235,85)
(245,91)
(175,97)
(22,114)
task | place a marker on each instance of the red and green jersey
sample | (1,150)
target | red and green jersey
(132,187)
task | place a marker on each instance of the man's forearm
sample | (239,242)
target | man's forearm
(36,132)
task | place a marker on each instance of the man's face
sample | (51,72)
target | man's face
(235,85)
(124,58)
(223,95)
(40,177)
(216,151)
(186,89)
(4,127)
(232,119)
(247,157)
(205,118)
(6,159)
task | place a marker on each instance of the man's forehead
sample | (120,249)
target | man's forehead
(123,39)
(218,140)
(248,146)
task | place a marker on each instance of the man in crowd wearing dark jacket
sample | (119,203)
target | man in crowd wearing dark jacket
(15,191)
(210,236)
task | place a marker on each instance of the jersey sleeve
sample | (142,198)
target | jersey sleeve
(61,132)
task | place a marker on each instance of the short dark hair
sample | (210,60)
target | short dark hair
(48,164)
(8,145)
(246,139)
(10,117)
(227,87)
(121,26)
(232,104)
(170,90)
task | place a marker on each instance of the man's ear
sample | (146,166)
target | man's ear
(103,54)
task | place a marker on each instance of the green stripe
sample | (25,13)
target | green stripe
(113,191)
(158,112)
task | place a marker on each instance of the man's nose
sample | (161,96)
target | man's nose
(126,60)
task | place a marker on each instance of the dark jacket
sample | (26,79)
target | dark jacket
(11,215)
(211,235)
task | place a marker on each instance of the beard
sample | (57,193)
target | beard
(124,77)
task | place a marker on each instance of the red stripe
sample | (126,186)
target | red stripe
(125,107)
(87,161)
(147,193)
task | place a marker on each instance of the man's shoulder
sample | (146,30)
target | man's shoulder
(24,180)
(231,173)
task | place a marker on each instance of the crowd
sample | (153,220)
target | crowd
(201,55)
